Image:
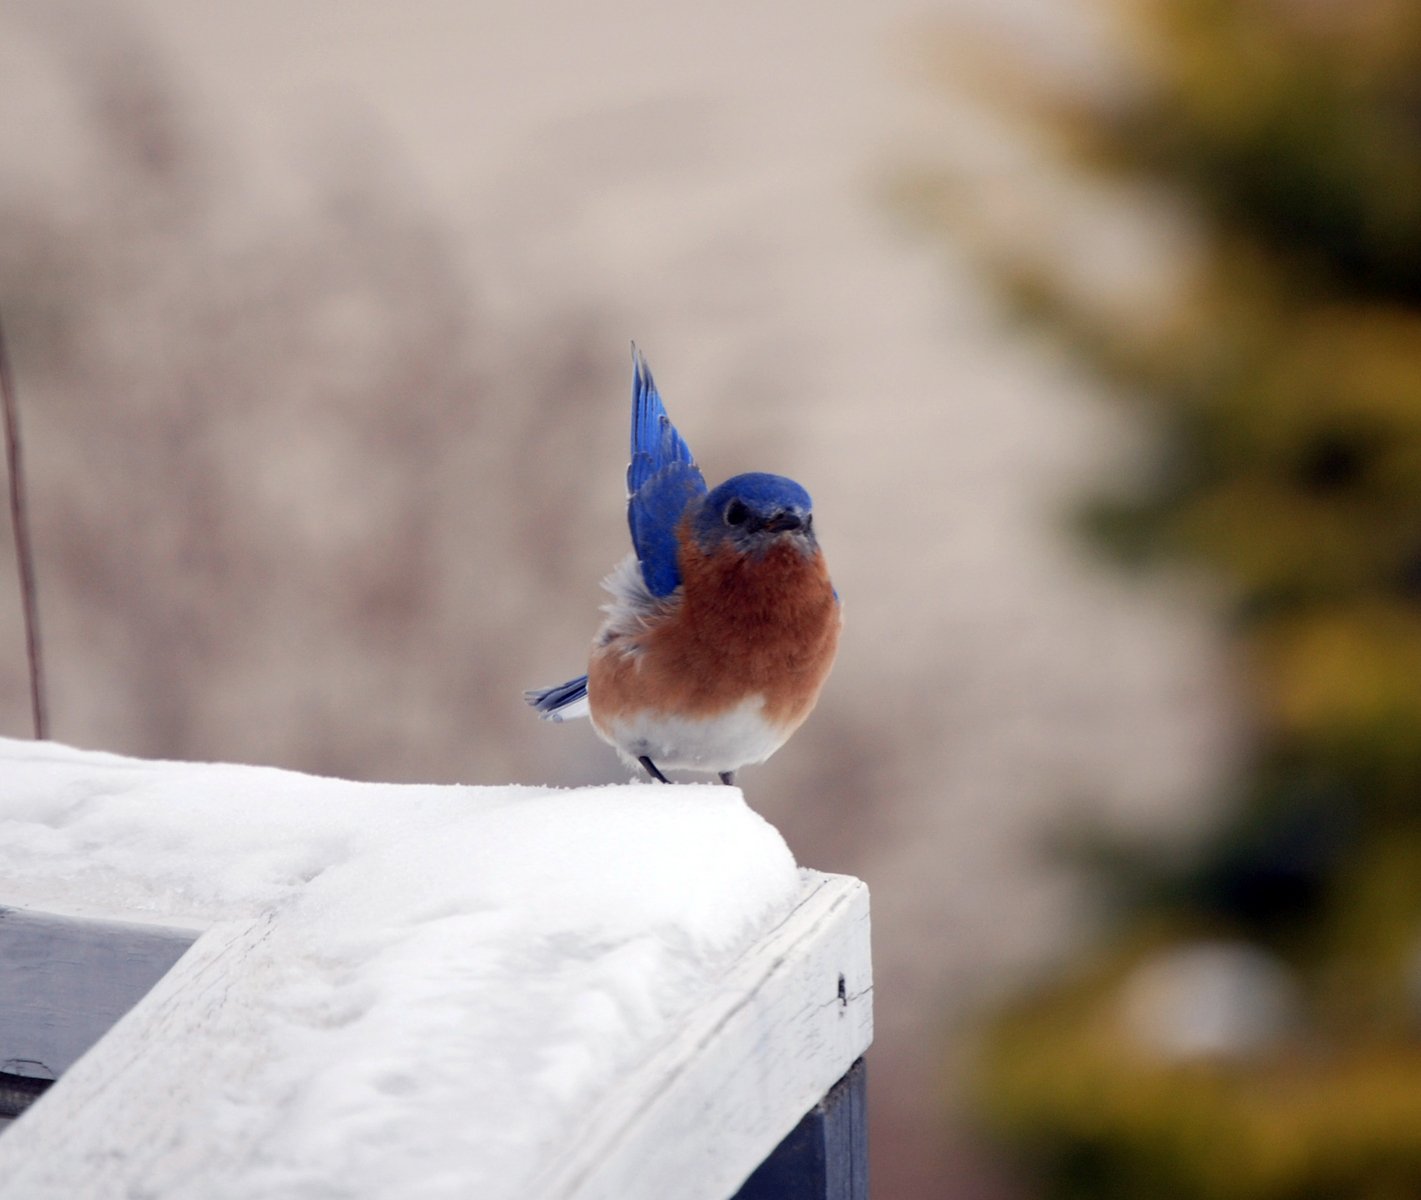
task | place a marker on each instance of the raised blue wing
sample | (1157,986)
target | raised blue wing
(661,480)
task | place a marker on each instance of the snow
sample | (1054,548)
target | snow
(436,982)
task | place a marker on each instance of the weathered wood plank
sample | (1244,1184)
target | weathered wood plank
(64,982)
(709,1106)
(693,1121)
(133,1077)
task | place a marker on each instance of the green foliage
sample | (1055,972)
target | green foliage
(1286,390)
(1295,127)
(1102,1120)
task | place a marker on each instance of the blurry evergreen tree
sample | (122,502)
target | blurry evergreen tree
(1286,388)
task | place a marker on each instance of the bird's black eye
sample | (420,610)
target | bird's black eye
(736,513)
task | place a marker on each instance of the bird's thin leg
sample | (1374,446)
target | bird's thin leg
(651,769)
(728,778)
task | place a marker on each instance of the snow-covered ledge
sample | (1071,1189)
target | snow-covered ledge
(422,991)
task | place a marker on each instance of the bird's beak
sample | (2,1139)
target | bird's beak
(783,522)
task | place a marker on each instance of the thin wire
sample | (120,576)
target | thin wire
(24,552)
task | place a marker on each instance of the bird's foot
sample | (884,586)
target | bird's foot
(651,769)
(727,778)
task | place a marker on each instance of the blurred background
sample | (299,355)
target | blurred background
(1095,332)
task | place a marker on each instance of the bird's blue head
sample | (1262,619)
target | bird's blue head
(751,511)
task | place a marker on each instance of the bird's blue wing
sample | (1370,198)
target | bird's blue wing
(661,480)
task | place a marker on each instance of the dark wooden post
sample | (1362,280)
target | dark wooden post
(825,1156)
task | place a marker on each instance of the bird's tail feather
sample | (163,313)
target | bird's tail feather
(560,703)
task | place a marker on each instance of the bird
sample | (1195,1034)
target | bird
(723,622)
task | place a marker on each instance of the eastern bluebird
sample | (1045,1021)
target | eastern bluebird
(723,623)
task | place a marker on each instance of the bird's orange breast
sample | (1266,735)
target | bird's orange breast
(765,625)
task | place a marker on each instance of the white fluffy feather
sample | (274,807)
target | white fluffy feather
(632,609)
(738,737)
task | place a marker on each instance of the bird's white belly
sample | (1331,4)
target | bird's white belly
(735,738)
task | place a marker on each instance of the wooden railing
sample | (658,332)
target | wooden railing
(757,1093)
